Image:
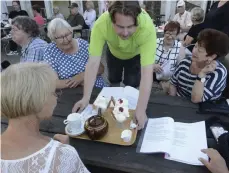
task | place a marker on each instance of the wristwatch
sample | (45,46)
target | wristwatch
(202,80)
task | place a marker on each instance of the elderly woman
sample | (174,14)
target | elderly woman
(25,32)
(197,15)
(68,56)
(89,14)
(168,52)
(56,13)
(29,97)
(202,77)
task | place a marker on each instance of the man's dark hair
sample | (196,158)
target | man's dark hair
(127,8)
(26,24)
(18,2)
(215,42)
(36,8)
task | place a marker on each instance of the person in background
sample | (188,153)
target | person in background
(16,12)
(56,13)
(68,56)
(202,77)
(216,164)
(167,55)
(197,15)
(29,98)
(183,17)
(25,32)
(89,14)
(217,17)
(131,37)
(76,20)
(37,15)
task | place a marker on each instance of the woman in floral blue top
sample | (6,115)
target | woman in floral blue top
(68,56)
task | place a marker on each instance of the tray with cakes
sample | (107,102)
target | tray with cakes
(112,123)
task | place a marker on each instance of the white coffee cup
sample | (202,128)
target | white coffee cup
(74,122)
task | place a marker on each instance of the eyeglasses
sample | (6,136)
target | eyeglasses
(57,93)
(62,37)
(170,34)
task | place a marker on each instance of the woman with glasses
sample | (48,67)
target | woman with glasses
(68,56)
(197,15)
(167,53)
(29,97)
(25,32)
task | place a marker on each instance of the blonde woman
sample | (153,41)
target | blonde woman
(28,98)
(89,14)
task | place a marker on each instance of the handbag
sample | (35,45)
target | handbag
(220,106)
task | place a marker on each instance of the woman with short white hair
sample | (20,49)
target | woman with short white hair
(89,14)
(68,56)
(197,16)
(27,99)
(56,13)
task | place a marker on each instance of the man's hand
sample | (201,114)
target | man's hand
(64,139)
(75,81)
(216,164)
(141,119)
(207,69)
(157,68)
(80,105)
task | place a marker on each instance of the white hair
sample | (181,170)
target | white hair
(56,24)
(198,14)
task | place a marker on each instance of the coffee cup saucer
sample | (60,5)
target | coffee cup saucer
(78,132)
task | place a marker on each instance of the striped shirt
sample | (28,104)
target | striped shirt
(172,55)
(214,85)
(34,51)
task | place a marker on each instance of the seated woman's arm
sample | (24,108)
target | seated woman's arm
(187,41)
(174,81)
(76,80)
(172,90)
(213,87)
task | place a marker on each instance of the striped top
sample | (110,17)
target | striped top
(214,85)
(172,55)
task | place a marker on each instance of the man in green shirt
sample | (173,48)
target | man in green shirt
(130,34)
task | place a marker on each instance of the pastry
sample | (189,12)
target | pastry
(121,113)
(122,102)
(101,102)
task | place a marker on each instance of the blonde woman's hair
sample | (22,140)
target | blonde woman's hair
(91,3)
(26,88)
(56,24)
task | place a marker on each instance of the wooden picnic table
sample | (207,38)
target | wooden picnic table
(125,158)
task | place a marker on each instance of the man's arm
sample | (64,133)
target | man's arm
(145,87)
(90,75)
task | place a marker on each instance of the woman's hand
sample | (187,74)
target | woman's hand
(157,68)
(216,164)
(207,69)
(75,81)
(64,139)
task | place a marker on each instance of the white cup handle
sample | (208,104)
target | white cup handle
(66,121)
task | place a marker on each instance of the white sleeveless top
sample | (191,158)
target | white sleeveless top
(55,157)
